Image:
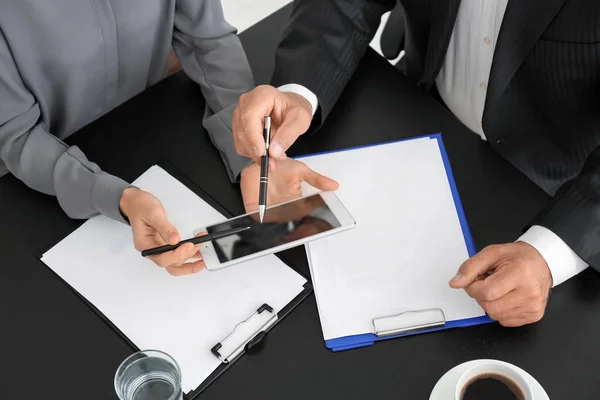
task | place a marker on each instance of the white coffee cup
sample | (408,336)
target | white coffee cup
(494,367)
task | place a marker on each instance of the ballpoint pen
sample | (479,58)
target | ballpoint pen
(197,240)
(264,171)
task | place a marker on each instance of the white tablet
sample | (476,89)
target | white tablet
(284,226)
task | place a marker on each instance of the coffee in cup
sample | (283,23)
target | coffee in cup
(492,380)
(492,386)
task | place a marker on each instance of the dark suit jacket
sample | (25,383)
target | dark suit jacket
(542,110)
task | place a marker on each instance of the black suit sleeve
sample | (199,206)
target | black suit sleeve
(323,44)
(574,213)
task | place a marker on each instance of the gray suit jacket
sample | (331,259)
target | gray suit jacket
(64,63)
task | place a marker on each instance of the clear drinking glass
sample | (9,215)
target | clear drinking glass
(149,375)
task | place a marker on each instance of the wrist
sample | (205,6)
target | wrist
(304,93)
(541,261)
(302,102)
(126,201)
(562,261)
(247,171)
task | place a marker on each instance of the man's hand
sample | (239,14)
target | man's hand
(516,290)
(151,228)
(290,117)
(284,183)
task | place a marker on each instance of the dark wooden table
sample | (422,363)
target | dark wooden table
(55,347)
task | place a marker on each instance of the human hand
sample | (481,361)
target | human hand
(517,289)
(151,228)
(285,184)
(290,117)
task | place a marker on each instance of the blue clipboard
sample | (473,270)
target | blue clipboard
(367,339)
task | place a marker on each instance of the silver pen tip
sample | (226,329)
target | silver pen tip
(261,213)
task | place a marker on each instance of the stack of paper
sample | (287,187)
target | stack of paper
(407,244)
(182,316)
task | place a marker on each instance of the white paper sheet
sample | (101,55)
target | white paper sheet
(183,316)
(406,245)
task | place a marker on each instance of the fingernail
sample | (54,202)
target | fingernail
(256,151)
(276,150)
(456,277)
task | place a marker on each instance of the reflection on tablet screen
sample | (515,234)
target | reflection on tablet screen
(283,224)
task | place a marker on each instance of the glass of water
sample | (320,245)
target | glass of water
(149,375)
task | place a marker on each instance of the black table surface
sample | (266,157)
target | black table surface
(55,346)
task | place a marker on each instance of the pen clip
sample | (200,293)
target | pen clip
(267,133)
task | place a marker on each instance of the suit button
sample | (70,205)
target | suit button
(499,141)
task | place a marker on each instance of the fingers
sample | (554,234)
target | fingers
(248,120)
(504,308)
(495,286)
(295,122)
(186,269)
(197,255)
(516,308)
(241,132)
(176,264)
(507,315)
(521,320)
(157,219)
(519,317)
(291,117)
(513,322)
(176,257)
(516,305)
(319,181)
(477,265)
(253,141)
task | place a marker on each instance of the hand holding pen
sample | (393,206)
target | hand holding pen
(196,240)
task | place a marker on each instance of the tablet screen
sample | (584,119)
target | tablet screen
(282,224)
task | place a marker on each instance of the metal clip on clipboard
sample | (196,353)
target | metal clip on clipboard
(408,322)
(239,341)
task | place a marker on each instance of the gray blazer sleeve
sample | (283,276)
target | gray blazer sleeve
(41,160)
(211,54)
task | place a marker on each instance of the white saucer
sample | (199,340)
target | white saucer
(444,388)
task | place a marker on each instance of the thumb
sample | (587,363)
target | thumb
(294,124)
(319,181)
(165,229)
(475,266)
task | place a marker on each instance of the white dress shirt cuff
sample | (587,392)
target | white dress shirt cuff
(561,259)
(302,91)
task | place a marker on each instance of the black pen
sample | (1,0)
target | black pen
(196,240)
(264,171)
